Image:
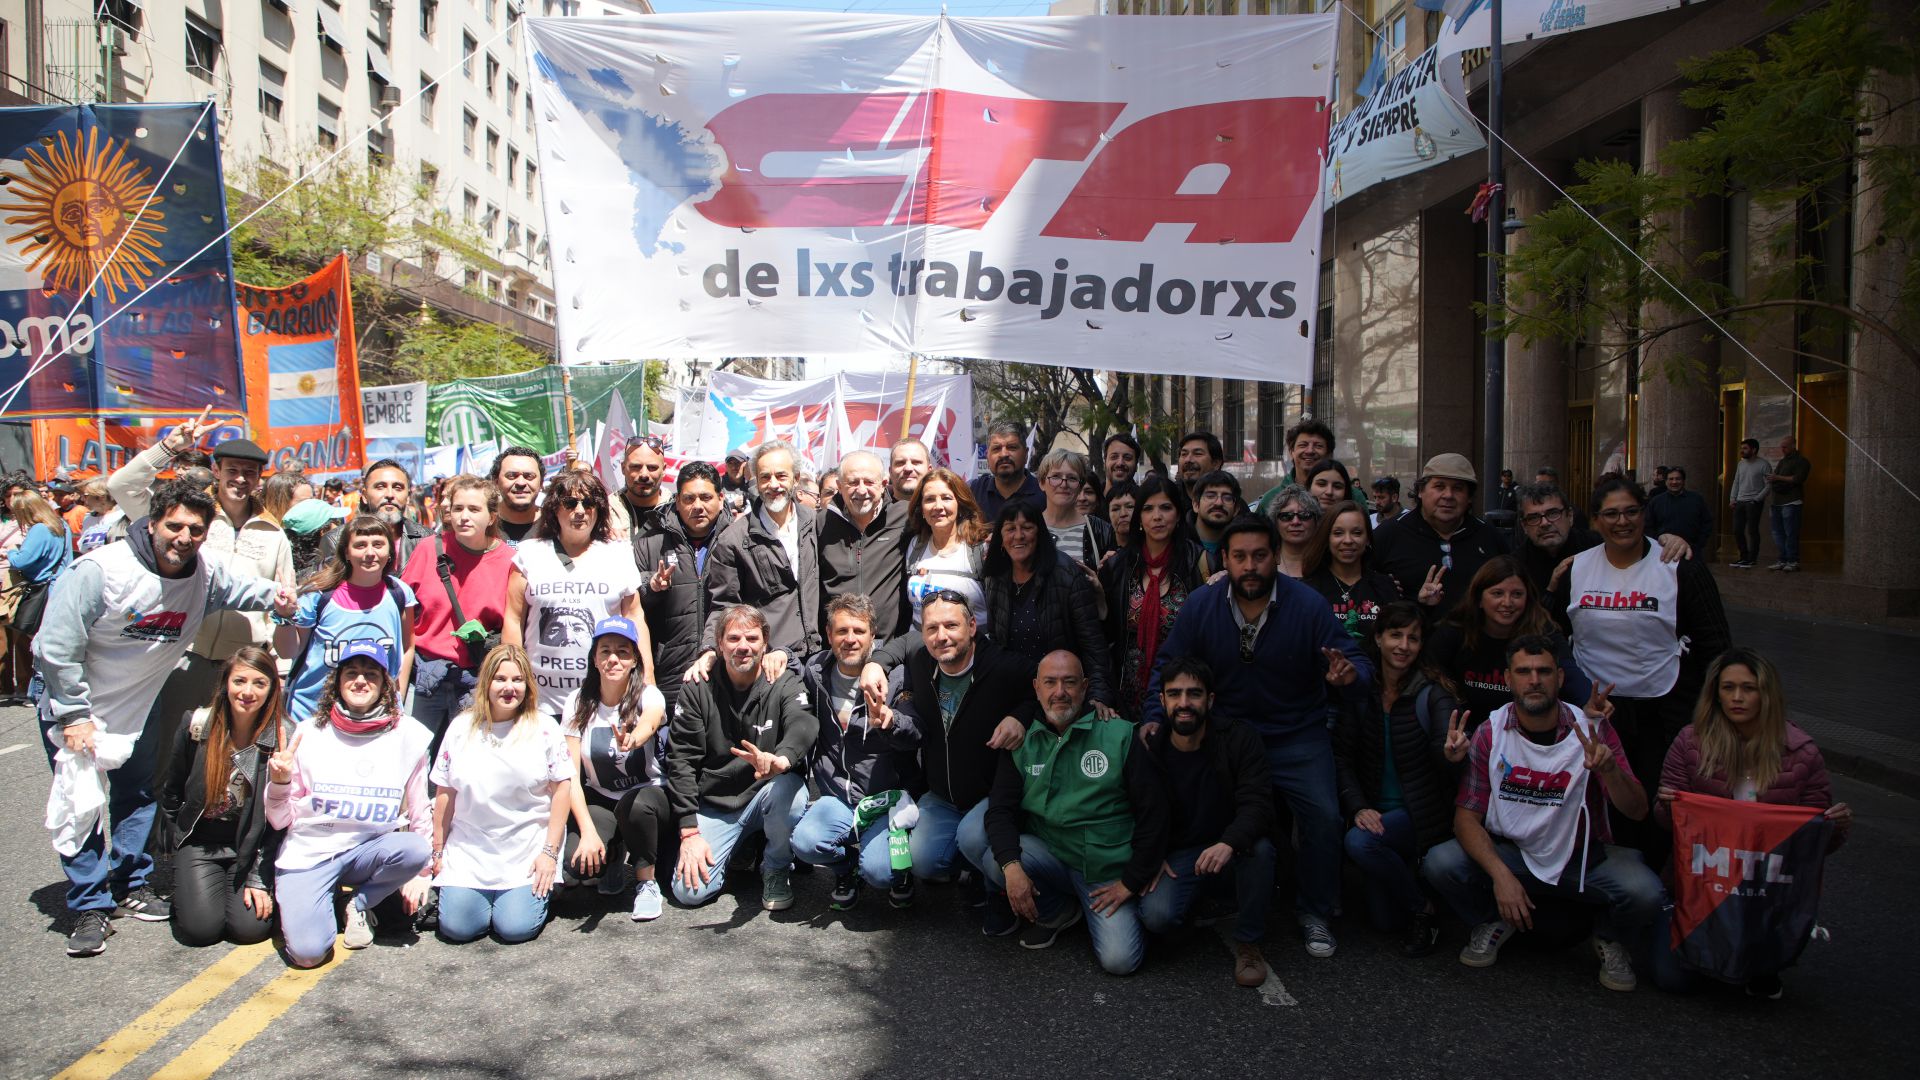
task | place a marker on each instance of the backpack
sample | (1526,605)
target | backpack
(393,593)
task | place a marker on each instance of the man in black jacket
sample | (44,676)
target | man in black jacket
(1435,551)
(961,695)
(735,758)
(674,558)
(1220,800)
(863,544)
(769,557)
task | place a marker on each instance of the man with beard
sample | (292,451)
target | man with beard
(1216,503)
(641,504)
(1076,823)
(674,559)
(735,765)
(1200,454)
(1120,457)
(1220,810)
(1531,820)
(863,544)
(518,472)
(769,557)
(1276,648)
(116,622)
(1007,477)
(908,464)
(386,491)
(1435,551)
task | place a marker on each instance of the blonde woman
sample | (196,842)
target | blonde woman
(499,816)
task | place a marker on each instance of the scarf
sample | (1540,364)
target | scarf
(1148,632)
(365,724)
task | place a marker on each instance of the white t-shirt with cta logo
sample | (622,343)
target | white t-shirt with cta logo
(563,604)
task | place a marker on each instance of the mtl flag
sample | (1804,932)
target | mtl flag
(1077,190)
(1747,883)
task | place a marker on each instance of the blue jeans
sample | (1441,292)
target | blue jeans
(1302,769)
(1393,893)
(1251,877)
(435,709)
(1746,529)
(1119,941)
(1628,894)
(944,835)
(774,810)
(1786,531)
(376,870)
(514,915)
(116,863)
(825,833)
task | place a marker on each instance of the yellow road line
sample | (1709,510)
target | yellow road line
(248,1020)
(136,1038)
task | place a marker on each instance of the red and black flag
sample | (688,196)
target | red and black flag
(1747,883)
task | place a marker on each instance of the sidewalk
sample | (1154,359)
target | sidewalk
(1849,686)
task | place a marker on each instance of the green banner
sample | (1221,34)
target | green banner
(524,409)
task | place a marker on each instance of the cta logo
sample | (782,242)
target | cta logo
(948,158)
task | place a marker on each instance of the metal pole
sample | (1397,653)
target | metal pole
(1493,447)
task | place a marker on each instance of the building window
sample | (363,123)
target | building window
(379,148)
(532,171)
(513,167)
(513,96)
(1203,404)
(273,91)
(469,208)
(493,150)
(533,243)
(329,125)
(493,76)
(527,117)
(429,179)
(1271,439)
(468,47)
(429,99)
(487,10)
(429,18)
(1233,418)
(469,131)
(1177,408)
(472,280)
(512,242)
(203,47)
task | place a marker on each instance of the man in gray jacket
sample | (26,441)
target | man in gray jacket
(769,557)
(116,623)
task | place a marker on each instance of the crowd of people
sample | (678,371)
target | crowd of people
(1094,691)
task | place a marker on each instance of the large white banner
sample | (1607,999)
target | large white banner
(1410,123)
(1468,24)
(829,416)
(398,411)
(1139,194)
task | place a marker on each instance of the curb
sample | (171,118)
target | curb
(1874,769)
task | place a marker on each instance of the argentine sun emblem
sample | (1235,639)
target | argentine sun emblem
(87,208)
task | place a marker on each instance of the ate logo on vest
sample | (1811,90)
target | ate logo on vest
(1534,787)
(1093,764)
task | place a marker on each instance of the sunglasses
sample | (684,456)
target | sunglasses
(651,442)
(947,596)
(1295,515)
(572,502)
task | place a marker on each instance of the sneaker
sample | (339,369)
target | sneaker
(1616,968)
(1000,919)
(1740,564)
(1790,567)
(1320,943)
(615,878)
(89,935)
(900,890)
(973,889)
(358,933)
(846,890)
(144,905)
(1421,936)
(1778,566)
(776,889)
(1249,967)
(647,902)
(427,919)
(1483,944)
(1043,934)
(1766,986)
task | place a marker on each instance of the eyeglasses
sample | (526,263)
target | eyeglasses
(1248,633)
(575,503)
(1295,515)
(1217,496)
(1064,480)
(1544,517)
(1620,513)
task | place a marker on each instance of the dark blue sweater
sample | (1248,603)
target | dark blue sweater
(1282,691)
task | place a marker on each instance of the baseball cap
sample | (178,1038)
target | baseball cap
(307,516)
(372,650)
(618,627)
(737,455)
(240,450)
(1449,467)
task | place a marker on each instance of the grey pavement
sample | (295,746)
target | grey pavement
(1849,685)
(729,991)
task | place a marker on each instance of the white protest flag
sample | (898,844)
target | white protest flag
(1082,190)
(613,444)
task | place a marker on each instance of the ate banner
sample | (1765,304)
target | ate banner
(1746,883)
(1110,193)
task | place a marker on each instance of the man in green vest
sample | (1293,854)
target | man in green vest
(1076,822)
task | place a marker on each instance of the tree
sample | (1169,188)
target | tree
(1055,399)
(1784,125)
(434,350)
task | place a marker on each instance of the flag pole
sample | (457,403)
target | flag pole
(566,397)
(913,373)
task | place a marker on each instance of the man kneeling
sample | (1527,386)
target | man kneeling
(1076,822)
(1531,820)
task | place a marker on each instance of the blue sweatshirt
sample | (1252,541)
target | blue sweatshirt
(1282,691)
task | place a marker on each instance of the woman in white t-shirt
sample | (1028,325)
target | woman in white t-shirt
(498,817)
(616,733)
(947,539)
(566,577)
(342,788)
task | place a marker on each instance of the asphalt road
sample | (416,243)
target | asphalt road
(730,991)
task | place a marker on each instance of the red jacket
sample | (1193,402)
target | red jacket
(1802,780)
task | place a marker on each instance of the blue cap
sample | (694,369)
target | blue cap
(618,627)
(372,650)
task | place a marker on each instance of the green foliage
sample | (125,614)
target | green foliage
(436,351)
(656,378)
(1782,125)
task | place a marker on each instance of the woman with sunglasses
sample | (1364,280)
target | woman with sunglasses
(1643,628)
(566,578)
(342,788)
(1146,584)
(1297,512)
(214,804)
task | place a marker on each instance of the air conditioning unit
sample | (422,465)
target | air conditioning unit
(390,98)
